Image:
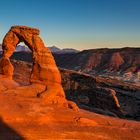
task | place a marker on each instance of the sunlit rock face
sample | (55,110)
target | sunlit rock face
(43,59)
(44,71)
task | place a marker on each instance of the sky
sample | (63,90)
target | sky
(79,24)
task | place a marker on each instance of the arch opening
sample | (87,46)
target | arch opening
(22,47)
(22,62)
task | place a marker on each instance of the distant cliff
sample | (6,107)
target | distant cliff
(124,59)
(122,64)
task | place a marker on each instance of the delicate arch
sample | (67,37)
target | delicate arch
(44,72)
(44,68)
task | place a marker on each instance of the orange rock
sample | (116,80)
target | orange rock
(85,121)
(6,67)
(44,72)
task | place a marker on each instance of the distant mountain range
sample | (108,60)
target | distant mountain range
(57,50)
(53,49)
(19,48)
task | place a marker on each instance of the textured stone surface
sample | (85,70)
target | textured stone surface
(88,92)
(32,119)
(44,72)
(44,69)
(101,60)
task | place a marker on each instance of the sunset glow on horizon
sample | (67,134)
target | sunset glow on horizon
(79,24)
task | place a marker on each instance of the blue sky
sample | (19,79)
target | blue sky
(80,24)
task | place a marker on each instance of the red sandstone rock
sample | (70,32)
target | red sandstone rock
(44,72)
(115,62)
(101,60)
(6,67)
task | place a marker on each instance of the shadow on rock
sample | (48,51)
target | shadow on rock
(8,133)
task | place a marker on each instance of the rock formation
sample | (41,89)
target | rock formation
(99,60)
(44,72)
(115,62)
(90,93)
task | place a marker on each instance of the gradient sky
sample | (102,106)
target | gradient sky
(79,24)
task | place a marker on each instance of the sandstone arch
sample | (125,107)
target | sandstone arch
(44,72)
